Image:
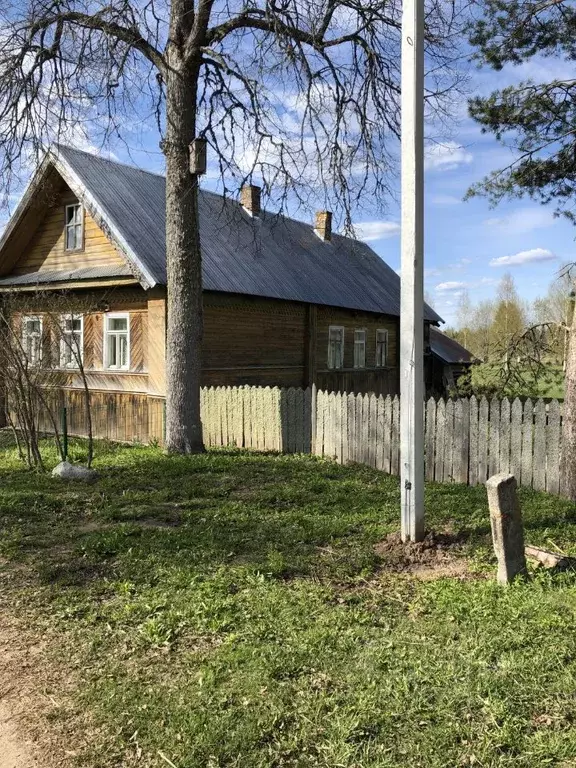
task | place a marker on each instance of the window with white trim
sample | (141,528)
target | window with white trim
(117,342)
(381,348)
(32,339)
(335,346)
(360,348)
(74,227)
(71,341)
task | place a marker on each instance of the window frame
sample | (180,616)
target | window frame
(63,345)
(116,316)
(40,336)
(342,330)
(377,363)
(363,331)
(68,226)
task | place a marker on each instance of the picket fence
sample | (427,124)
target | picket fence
(466,440)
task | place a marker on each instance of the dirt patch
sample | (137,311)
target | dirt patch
(439,555)
(32,693)
(17,748)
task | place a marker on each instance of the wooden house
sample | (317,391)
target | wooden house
(447,361)
(286,303)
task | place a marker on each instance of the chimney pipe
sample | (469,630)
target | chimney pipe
(323,226)
(250,199)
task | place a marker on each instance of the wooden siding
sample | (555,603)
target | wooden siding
(253,341)
(382,381)
(156,343)
(46,251)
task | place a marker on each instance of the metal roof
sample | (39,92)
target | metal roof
(60,276)
(447,349)
(270,255)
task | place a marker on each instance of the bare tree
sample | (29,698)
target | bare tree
(301,95)
(42,352)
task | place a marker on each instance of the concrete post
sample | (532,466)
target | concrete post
(507,527)
(412,274)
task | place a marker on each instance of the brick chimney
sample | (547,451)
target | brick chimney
(250,199)
(323,226)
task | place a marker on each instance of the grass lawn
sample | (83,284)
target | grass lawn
(549,383)
(231,610)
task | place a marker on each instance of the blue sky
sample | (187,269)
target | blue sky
(469,245)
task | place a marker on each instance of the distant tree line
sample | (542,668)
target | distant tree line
(520,346)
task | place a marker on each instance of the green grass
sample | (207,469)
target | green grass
(230,610)
(487,378)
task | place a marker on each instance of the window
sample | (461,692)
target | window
(72,341)
(360,348)
(381,348)
(74,227)
(335,346)
(117,342)
(32,339)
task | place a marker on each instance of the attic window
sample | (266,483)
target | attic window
(74,230)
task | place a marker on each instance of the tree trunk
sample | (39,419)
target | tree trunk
(184,263)
(568,460)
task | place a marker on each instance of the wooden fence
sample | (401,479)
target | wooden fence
(466,440)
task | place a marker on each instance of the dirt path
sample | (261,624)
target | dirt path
(16,698)
(14,751)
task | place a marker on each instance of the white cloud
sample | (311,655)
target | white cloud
(445,200)
(522,220)
(450,286)
(533,256)
(376,230)
(446,157)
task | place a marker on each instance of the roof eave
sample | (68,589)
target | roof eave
(102,219)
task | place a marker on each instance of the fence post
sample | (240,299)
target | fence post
(507,527)
(64,429)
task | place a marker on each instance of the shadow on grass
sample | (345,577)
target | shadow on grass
(283,516)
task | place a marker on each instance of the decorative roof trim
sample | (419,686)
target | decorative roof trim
(102,219)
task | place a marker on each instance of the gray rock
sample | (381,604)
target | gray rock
(67,471)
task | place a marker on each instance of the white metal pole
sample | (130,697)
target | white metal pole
(412,273)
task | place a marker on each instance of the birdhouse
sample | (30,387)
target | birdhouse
(198,157)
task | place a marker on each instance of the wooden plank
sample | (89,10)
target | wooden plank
(379,432)
(387,447)
(440,440)
(395,446)
(344,421)
(527,444)
(516,439)
(320,395)
(366,429)
(299,420)
(307,430)
(351,407)
(223,408)
(505,417)
(539,468)
(553,448)
(430,433)
(494,444)
(458,437)
(483,439)
(465,441)
(248,432)
(473,450)
(449,443)
(372,428)
(356,428)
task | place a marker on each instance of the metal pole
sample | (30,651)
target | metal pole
(64,429)
(412,273)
